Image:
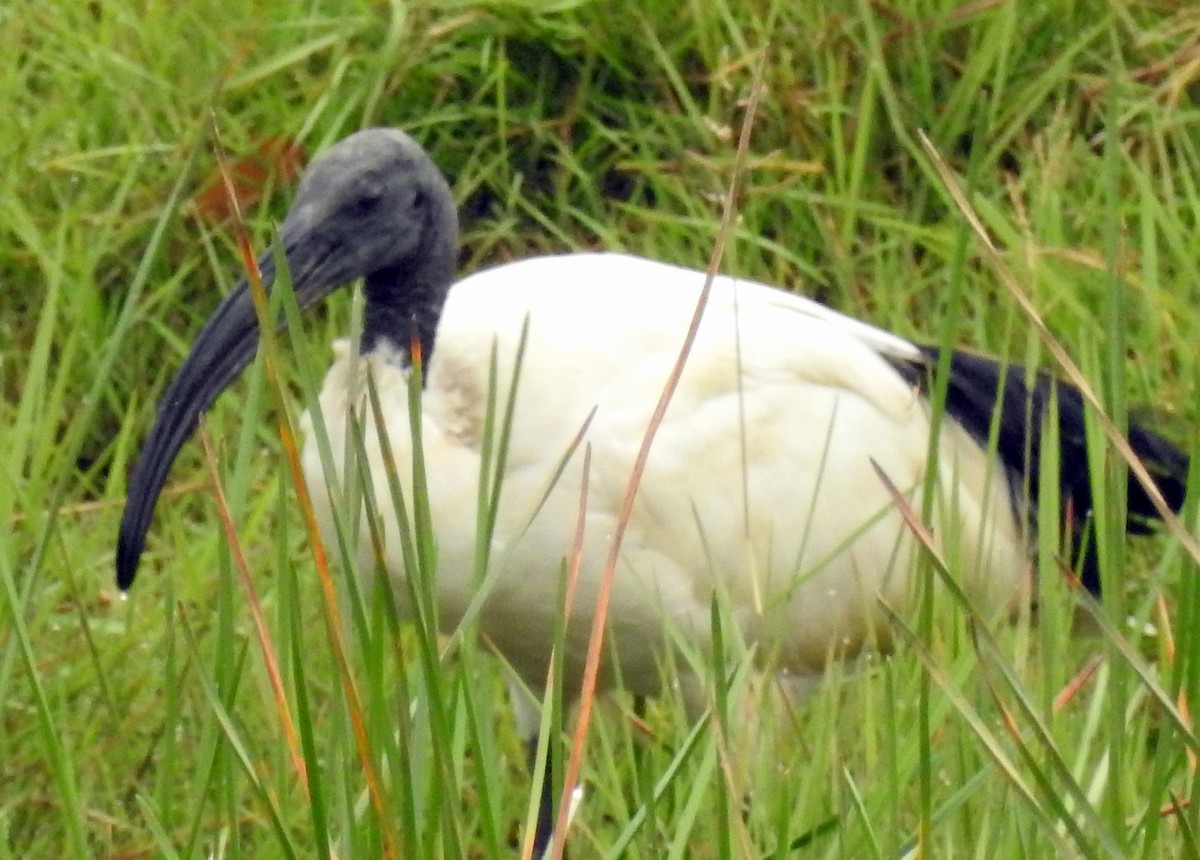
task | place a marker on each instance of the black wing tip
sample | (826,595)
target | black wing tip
(1168,466)
(979,385)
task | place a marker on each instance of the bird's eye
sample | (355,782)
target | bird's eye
(366,202)
(366,194)
(418,201)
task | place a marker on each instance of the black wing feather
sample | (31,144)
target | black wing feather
(979,387)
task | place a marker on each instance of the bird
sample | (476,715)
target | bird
(763,481)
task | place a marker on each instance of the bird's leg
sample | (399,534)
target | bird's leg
(543,830)
(527,713)
(639,754)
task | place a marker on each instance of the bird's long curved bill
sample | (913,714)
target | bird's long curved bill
(223,349)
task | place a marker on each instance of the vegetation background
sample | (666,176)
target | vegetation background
(149,727)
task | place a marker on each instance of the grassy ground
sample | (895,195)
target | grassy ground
(149,727)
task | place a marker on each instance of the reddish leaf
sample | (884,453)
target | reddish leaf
(276,158)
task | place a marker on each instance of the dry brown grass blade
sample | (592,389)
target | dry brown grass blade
(596,640)
(911,519)
(1169,651)
(332,614)
(1068,693)
(1066,364)
(256,611)
(576,558)
(1175,807)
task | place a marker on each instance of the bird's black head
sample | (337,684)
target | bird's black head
(375,206)
(372,206)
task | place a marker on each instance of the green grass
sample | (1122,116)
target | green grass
(149,727)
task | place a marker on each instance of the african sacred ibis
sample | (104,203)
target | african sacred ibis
(760,482)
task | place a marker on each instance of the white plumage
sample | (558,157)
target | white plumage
(759,484)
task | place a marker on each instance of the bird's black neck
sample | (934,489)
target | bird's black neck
(400,319)
(404,301)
